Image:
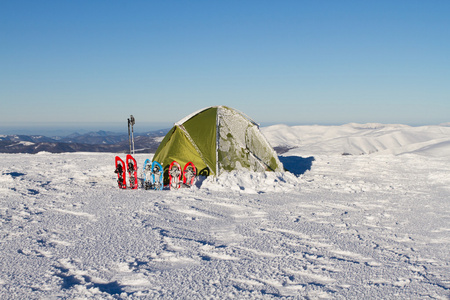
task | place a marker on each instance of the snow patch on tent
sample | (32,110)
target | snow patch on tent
(241,145)
(244,181)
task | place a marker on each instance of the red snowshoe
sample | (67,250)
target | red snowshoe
(174,175)
(132,171)
(121,170)
(189,174)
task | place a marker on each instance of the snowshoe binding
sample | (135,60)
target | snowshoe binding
(157,176)
(120,171)
(174,175)
(189,174)
(147,170)
(132,171)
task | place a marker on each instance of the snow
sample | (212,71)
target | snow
(158,139)
(220,107)
(25,143)
(356,139)
(372,226)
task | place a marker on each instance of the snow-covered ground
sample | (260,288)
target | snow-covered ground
(372,226)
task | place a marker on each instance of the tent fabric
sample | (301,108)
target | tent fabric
(179,147)
(202,130)
(218,139)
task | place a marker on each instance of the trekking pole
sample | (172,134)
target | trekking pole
(132,130)
(129,137)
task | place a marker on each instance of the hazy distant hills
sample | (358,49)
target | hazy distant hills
(349,139)
(100,141)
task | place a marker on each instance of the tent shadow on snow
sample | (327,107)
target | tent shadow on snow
(297,165)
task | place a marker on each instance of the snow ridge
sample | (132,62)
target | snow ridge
(357,139)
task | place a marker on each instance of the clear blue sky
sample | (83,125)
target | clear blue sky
(303,62)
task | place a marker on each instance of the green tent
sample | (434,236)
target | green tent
(217,139)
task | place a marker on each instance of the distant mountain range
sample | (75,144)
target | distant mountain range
(100,141)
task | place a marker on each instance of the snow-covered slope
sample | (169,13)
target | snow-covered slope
(358,139)
(341,227)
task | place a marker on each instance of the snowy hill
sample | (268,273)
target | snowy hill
(372,226)
(356,139)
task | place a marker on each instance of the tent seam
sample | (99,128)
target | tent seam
(217,139)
